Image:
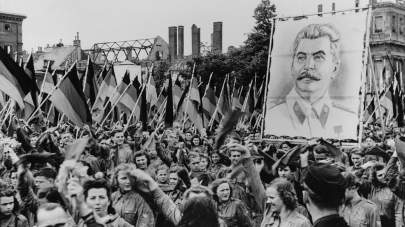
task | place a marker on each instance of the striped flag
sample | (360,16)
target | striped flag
(106,90)
(14,82)
(151,94)
(69,99)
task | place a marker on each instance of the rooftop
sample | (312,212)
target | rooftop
(3,13)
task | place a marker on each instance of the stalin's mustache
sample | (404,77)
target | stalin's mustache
(308,75)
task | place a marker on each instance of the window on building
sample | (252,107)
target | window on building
(320,10)
(378,24)
(356,5)
(394,24)
(333,8)
(7,27)
(401,25)
(8,49)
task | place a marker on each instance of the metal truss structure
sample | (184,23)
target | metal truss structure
(132,50)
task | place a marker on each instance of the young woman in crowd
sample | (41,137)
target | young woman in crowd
(232,212)
(126,200)
(282,205)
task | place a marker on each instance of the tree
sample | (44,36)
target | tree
(245,62)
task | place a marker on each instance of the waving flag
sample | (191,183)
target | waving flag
(90,84)
(69,99)
(13,80)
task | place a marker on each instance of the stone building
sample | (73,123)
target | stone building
(387,41)
(11,33)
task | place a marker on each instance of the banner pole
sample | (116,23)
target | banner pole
(267,77)
(366,57)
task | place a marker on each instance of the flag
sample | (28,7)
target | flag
(399,99)
(260,97)
(236,102)
(209,103)
(193,105)
(169,118)
(177,94)
(370,109)
(14,82)
(102,75)
(249,103)
(128,99)
(48,83)
(151,94)
(144,110)
(106,90)
(121,87)
(90,84)
(386,103)
(224,103)
(30,71)
(69,99)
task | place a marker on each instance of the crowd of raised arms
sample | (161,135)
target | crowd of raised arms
(66,176)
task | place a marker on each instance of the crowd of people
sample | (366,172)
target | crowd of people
(170,176)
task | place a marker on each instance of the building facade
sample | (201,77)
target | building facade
(387,43)
(11,33)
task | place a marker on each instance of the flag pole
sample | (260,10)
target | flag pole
(211,122)
(43,82)
(49,95)
(115,104)
(378,92)
(85,74)
(133,109)
(188,96)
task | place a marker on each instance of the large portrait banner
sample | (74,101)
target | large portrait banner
(315,77)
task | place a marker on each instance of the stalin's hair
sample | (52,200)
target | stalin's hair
(315,31)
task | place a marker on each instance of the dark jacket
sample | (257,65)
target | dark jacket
(333,220)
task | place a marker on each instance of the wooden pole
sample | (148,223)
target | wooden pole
(366,56)
(133,110)
(273,24)
(49,96)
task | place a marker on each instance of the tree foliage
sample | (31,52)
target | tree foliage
(246,61)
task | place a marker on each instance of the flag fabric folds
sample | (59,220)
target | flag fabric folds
(106,90)
(224,102)
(151,94)
(169,118)
(69,99)
(14,82)
(89,83)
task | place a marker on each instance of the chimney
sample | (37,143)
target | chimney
(217,37)
(195,40)
(173,43)
(180,31)
(76,42)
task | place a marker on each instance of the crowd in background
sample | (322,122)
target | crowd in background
(65,176)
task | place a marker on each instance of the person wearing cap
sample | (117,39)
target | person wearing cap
(358,211)
(324,192)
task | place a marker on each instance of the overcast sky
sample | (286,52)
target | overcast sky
(115,20)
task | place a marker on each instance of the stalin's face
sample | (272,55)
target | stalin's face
(313,67)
